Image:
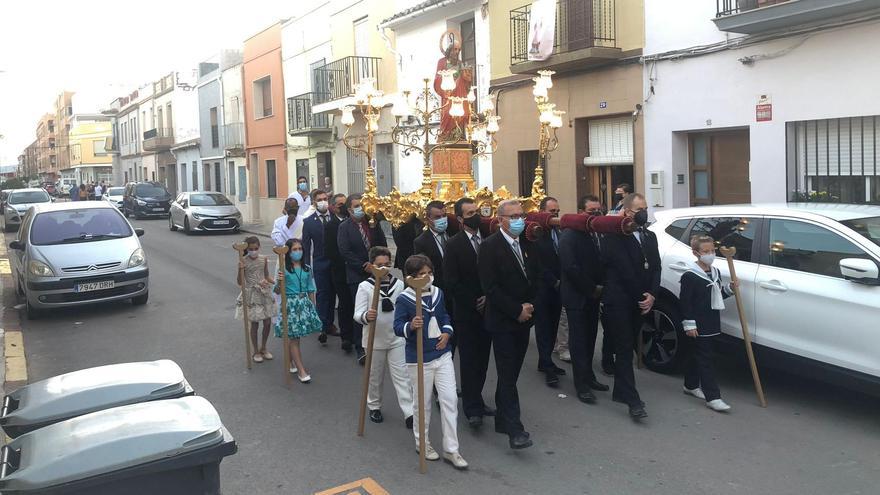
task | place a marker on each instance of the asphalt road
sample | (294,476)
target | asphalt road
(812,439)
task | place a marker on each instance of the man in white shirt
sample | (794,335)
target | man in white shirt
(288,224)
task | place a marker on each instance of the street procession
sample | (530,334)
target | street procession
(451,247)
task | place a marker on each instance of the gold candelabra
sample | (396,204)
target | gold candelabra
(550,120)
(368,100)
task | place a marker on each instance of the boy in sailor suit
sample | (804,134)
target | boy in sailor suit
(702,299)
(439,370)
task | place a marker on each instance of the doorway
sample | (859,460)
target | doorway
(527,161)
(384,168)
(718,164)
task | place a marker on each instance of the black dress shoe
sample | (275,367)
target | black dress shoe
(597,385)
(551,379)
(488,411)
(376,416)
(409,422)
(520,441)
(322,338)
(362,356)
(346,345)
(556,369)
(586,397)
(475,421)
(638,411)
(608,369)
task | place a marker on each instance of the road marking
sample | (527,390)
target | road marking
(4,267)
(366,486)
(14,344)
(16,369)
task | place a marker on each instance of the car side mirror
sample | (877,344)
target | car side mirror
(139,232)
(860,270)
(16,244)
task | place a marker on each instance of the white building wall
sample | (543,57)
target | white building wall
(825,76)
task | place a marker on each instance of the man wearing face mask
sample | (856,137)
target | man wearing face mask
(632,283)
(548,302)
(338,278)
(508,269)
(314,256)
(354,239)
(302,196)
(619,193)
(432,243)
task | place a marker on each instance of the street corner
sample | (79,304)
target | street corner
(366,486)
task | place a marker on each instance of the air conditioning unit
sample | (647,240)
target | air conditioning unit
(655,188)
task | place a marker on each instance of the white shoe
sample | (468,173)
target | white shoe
(430,453)
(294,369)
(304,379)
(456,460)
(718,405)
(697,392)
(565,356)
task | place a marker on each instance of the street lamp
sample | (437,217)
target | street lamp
(550,120)
(368,100)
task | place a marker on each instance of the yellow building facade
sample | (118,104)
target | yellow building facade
(89,139)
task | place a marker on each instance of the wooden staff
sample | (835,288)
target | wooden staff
(378,274)
(282,267)
(240,248)
(418,284)
(728,253)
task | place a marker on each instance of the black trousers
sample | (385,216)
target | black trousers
(357,330)
(474,345)
(607,341)
(625,322)
(583,326)
(510,349)
(548,310)
(345,309)
(699,367)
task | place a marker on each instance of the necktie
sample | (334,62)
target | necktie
(323,219)
(364,235)
(595,237)
(475,239)
(518,253)
(555,237)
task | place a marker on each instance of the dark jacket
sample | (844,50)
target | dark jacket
(548,262)
(331,244)
(313,241)
(582,268)
(505,285)
(626,276)
(352,248)
(403,238)
(462,278)
(426,245)
(696,302)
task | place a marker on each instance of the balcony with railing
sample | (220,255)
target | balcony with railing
(763,16)
(234,137)
(158,139)
(339,79)
(301,120)
(584,34)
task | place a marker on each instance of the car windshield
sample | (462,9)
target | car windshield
(208,200)
(151,191)
(867,227)
(115,191)
(21,198)
(72,226)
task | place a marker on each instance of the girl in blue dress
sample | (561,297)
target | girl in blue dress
(302,317)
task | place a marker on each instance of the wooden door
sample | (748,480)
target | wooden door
(730,168)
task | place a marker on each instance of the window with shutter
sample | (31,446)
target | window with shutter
(610,142)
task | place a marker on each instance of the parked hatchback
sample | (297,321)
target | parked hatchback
(203,211)
(809,276)
(145,199)
(114,195)
(17,203)
(76,253)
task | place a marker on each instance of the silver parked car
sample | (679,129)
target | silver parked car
(113,195)
(17,203)
(76,253)
(203,211)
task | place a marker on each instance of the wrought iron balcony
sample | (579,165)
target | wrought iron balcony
(762,16)
(301,120)
(158,139)
(584,34)
(234,136)
(339,79)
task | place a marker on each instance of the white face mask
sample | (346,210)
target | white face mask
(707,259)
(253,253)
(322,206)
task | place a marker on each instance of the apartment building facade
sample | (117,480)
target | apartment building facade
(234,138)
(90,138)
(46,148)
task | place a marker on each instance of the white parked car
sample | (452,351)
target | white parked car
(17,203)
(809,276)
(113,195)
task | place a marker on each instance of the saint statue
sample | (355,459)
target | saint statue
(453,128)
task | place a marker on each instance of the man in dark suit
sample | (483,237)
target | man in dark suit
(404,236)
(583,277)
(549,305)
(632,284)
(432,242)
(508,275)
(345,309)
(355,238)
(463,287)
(314,256)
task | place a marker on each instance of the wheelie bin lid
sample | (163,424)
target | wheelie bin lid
(80,392)
(112,440)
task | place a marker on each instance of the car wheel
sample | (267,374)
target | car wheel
(32,312)
(662,337)
(141,299)
(171,226)
(186,227)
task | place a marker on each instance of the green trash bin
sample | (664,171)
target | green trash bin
(168,447)
(81,392)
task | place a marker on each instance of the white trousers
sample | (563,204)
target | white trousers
(395,360)
(439,374)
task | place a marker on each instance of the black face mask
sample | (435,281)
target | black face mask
(594,213)
(618,198)
(641,217)
(472,222)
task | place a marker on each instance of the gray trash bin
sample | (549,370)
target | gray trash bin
(166,447)
(81,392)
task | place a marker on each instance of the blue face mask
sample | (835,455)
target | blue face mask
(357,213)
(440,225)
(296,255)
(517,226)
(303,186)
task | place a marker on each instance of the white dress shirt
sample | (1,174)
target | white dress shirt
(281,233)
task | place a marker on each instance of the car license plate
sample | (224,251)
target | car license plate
(90,286)
(221,222)
(158,209)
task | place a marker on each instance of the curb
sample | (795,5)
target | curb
(14,370)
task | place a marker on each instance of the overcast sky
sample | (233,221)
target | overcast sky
(104,47)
